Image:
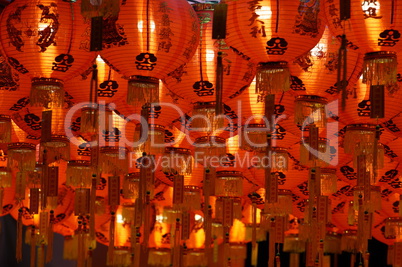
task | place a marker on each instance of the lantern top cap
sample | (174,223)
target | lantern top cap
(229,174)
(311,98)
(203,139)
(273,65)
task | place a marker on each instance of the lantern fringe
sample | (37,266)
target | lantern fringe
(359,141)
(52,203)
(180,163)
(323,157)
(23,159)
(19,237)
(121,258)
(192,198)
(47,94)
(255,140)
(159,258)
(308,112)
(372,205)
(127,213)
(271,79)
(205,120)
(328,183)
(229,186)
(41,256)
(381,71)
(216,231)
(79,175)
(5,178)
(195,259)
(348,243)
(142,90)
(351,214)
(368,151)
(106,9)
(56,150)
(293,244)
(89,120)
(283,207)
(5,129)
(207,148)
(70,251)
(155,142)
(33,247)
(113,162)
(237,209)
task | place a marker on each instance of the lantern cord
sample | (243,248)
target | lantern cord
(219,85)
(392,12)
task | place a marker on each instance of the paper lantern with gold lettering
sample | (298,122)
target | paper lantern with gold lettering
(155,38)
(273,33)
(48,41)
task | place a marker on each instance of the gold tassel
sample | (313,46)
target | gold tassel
(78,173)
(155,141)
(5,177)
(178,160)
(210,146)
(90,119)
(41,255)
(110,251)
(47,92)
(21,156)
(142,90)
(310,109)
(191,198)
(328,181)
(57,148)
(113,160)
(70,248)
(50,236)
(5,129)
(159,257)
(33,246)
(380,68)
(19,237)
(229,184)
(323,153)
(204,118)
(254,138)
(272,78)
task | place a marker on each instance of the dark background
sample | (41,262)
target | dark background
(378,251)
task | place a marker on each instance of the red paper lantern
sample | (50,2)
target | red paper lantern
(155,38)
(47,41)
(273,33)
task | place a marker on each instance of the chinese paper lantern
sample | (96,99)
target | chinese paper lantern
(50,46)
(158,39)
(272,34)
(200,72)
(372,29)
(310,109)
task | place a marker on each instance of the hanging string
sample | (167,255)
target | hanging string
(277,16)
(148,25)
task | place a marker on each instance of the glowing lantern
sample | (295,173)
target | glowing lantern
(158,38)
(50,46)
(310,109)
(200,72)
(372,29)
(229,184)
(268,33)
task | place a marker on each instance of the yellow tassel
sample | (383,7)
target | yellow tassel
(21,156)
(90,9)
(229,184)
(323,154)
(33,247)
(58,148)
(5,177)
(142,90)
(310,109)
(70,248)
(5,129)
(380,68)
(210,146)
(113,160)
(254,138)
(47,92)
(79,173)
(41,255)
(272,78)
(159,257)
(19,236)
(204,118)
(155,141)
(110,251)
(178,160)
